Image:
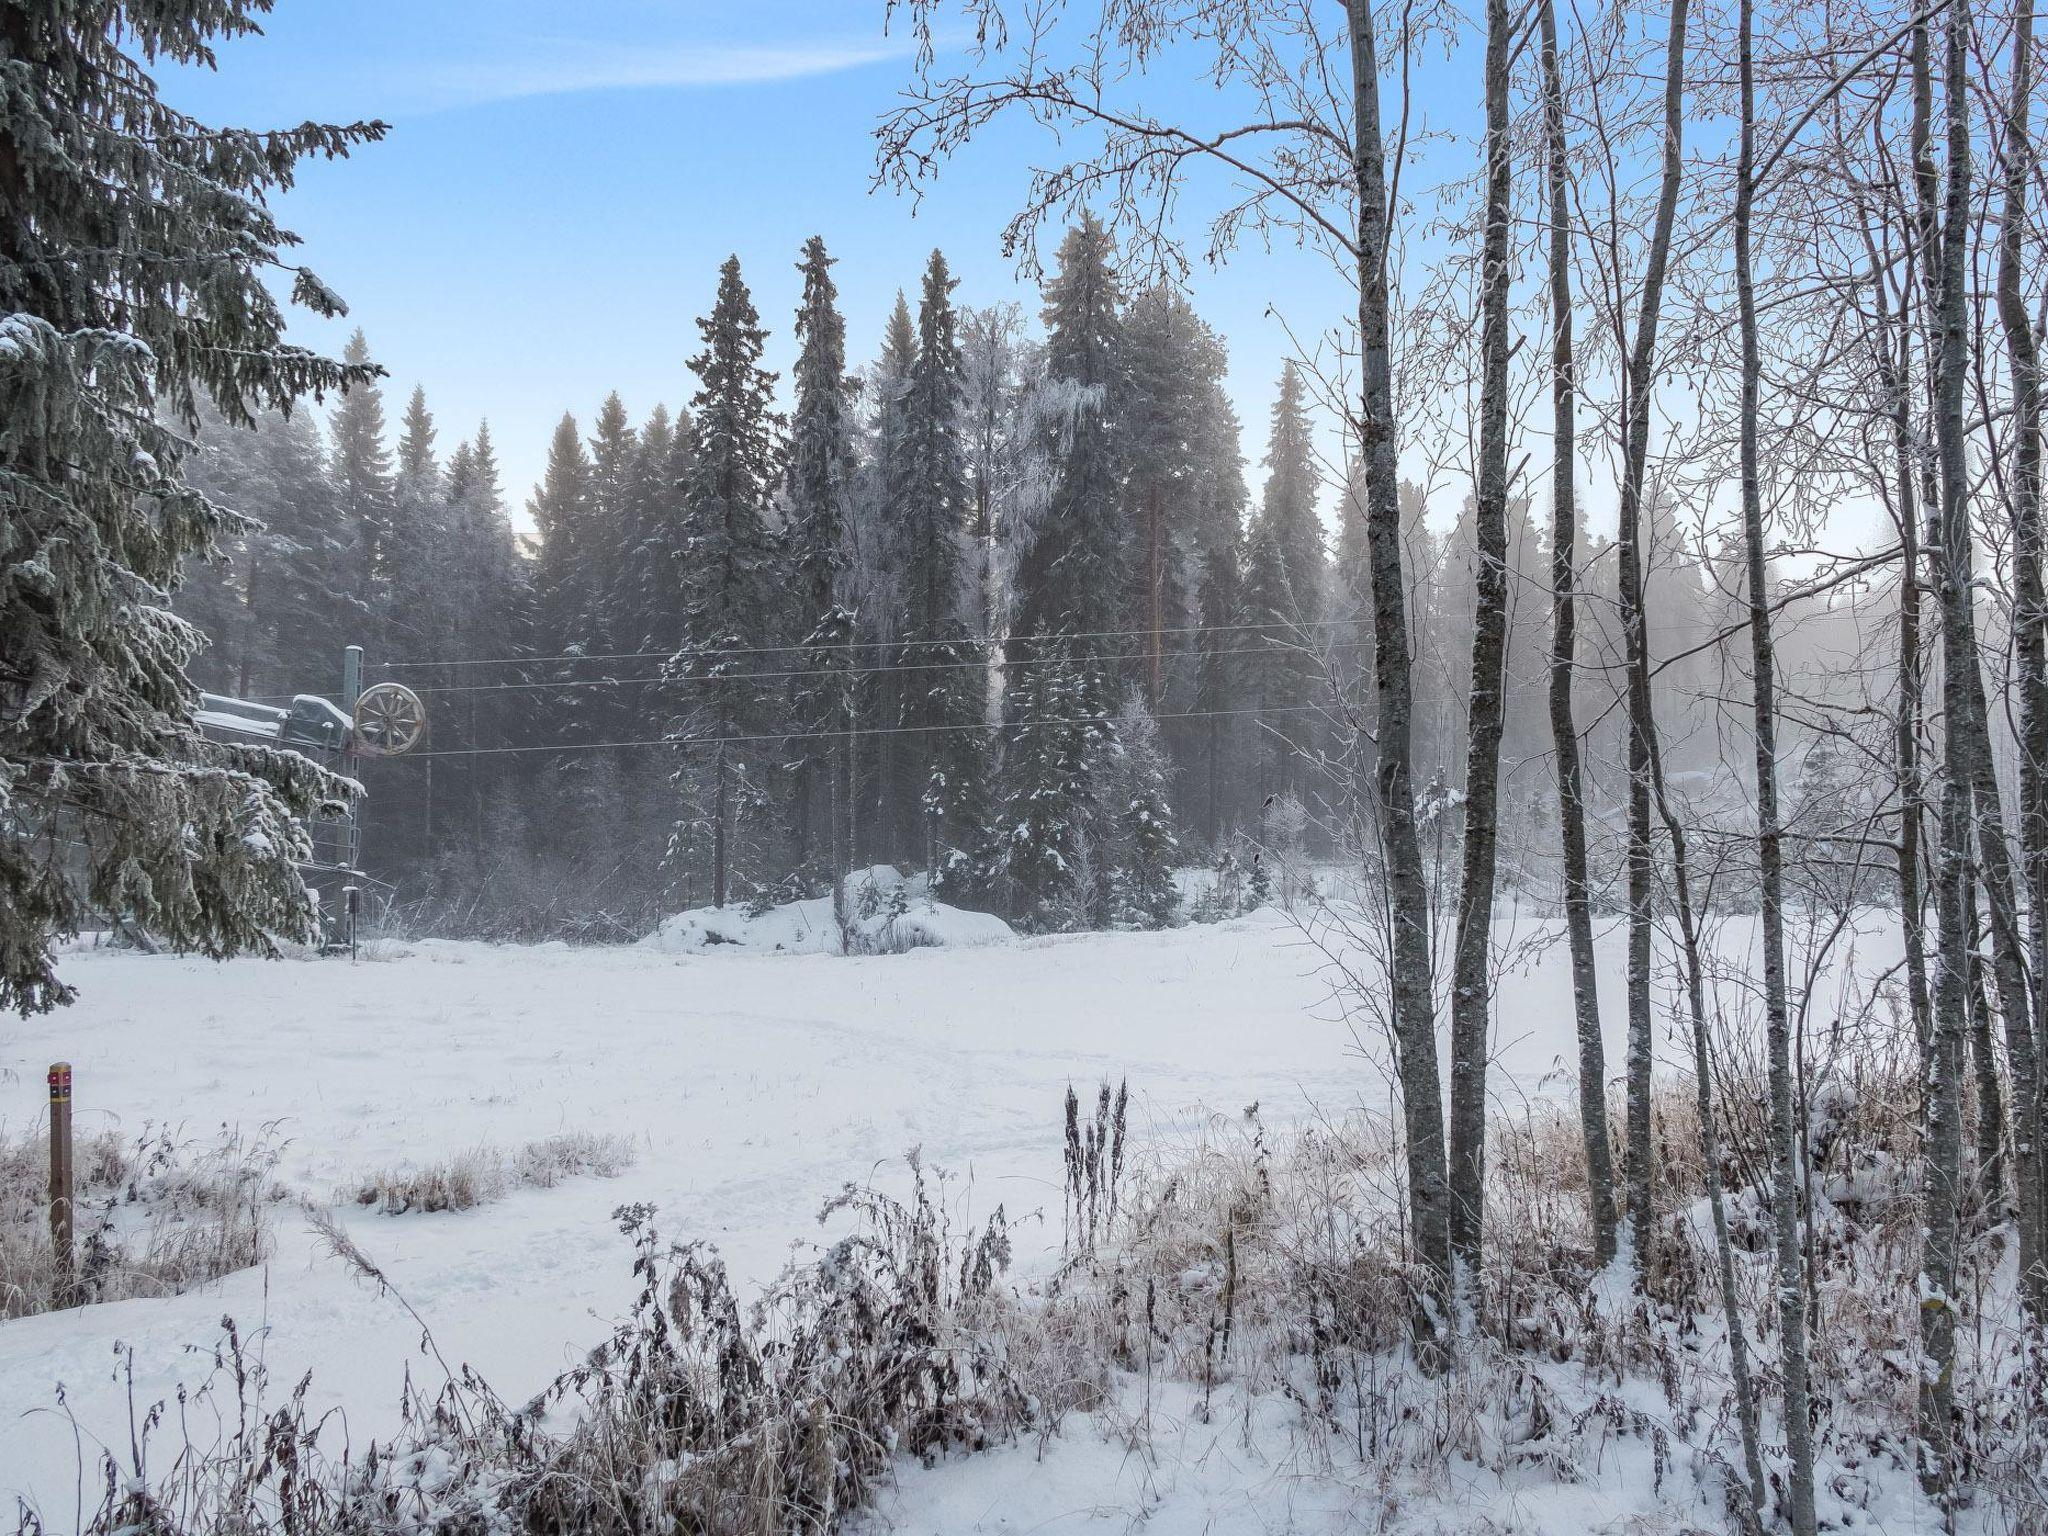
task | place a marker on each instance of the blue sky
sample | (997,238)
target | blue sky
(560,184)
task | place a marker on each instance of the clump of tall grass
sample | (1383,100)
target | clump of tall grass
(153,1216)
(483,1174)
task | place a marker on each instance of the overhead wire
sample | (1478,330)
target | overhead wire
(683,742)
(980,663)
(1282,625)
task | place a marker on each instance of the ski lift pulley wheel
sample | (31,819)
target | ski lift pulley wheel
(390,720)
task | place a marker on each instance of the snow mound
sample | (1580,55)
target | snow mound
(892,915)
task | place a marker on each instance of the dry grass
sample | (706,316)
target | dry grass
(155,1216)
(484,1174)
(1242,1272)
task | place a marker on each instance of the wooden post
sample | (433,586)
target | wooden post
(61,1223)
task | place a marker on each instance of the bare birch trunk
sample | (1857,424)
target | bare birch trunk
(1408,966)
(1786,1190)
(1638,382)
(2030,636)
(1564,731)
(1895,369)
(1944,1067)
(1471,988)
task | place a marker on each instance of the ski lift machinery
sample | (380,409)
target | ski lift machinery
(383,720)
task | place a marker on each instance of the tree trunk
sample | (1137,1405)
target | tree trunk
(1408,964)
(1894,369)
(2030,636)
(1784,1117)
(1471,989)
(1638,379)
(1155,593)
(1564,730)
(1944,1067)
(1984,1066)
(718,816)
(1710,1154)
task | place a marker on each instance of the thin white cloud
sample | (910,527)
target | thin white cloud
(551,67)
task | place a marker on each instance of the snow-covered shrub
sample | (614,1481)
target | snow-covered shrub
(153,1217)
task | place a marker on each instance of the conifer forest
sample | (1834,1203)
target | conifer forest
(1294,779)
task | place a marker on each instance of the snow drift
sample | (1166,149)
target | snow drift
(891,915)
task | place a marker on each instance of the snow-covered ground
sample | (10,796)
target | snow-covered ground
(752,1087)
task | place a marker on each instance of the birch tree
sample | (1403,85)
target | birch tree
(1308,158)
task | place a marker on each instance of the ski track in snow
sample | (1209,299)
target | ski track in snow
(753,1087)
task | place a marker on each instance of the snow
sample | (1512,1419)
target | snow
(892,915)
(753,1088)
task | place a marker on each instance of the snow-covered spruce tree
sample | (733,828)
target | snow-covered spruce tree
(817,486)
(1070,579)
(1048,791)
(1147,850)
(729,570)
(132,242)
(996,439)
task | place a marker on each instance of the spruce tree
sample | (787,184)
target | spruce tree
(400,815)
(1047,775)
(416,543)
(944,695)
(1069,597)
(660,531)
(489,596)
(730,571)
(603,546)
(821,438)
(1147,851)
(606,541)
(1070,579)
(1219,673)
(892,788)
(279,609)
(134,244)
(818,488)
(361,467)
(1284,580)
(565,806)
(652,500)
(560,508)
(1170,358)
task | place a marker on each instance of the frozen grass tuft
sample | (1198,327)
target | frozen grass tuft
(484,1174)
